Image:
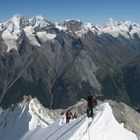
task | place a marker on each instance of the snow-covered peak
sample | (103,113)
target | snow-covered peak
(40,115)
(102,126)
(39,17)
(126,29)
(23,117)
(85,28)
(40,22)
(88,25)
(16,23)
(123,28)
(77,27)
(113,23)
(16,18)
(72,24)
(29,120)
(13,29)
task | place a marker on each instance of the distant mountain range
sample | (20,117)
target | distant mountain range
(60,63)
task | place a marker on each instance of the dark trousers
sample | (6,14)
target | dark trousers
(90,112)
(67,120)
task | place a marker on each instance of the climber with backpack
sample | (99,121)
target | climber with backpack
(91,103)
(69,116)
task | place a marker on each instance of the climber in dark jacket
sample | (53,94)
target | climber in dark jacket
(91,103)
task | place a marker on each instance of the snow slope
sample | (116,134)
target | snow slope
(103,127)
(18,120)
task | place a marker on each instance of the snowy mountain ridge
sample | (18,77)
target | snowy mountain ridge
(102,126)
(23,117)
(39,27)
(31,121)
(67,61)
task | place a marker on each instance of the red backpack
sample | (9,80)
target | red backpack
(69,115)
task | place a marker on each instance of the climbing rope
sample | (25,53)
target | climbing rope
(71,128)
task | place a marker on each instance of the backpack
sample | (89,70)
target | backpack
(92,102)
(69,115)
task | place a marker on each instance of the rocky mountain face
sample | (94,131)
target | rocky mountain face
(128,116)
(61,63)
(131,72)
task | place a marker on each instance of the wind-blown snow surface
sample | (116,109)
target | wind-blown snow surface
(103,127)
(26,116)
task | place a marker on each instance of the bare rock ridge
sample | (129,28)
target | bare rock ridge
(59,63)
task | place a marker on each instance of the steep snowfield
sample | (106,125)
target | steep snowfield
(46,36)
(31,121)
(12,30)
(102,127)
(18,120)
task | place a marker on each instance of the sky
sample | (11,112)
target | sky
(94,11)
